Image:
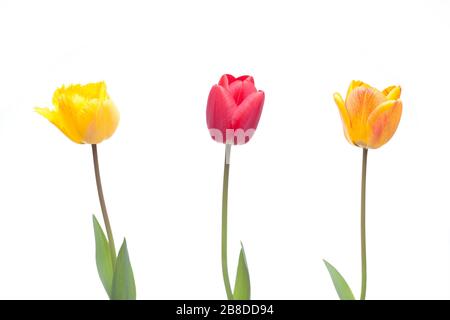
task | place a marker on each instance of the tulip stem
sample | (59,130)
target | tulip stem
(101,198)
(363,227)
(226,172)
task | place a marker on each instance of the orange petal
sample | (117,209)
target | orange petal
(360,104)
(383,123)
(355,84)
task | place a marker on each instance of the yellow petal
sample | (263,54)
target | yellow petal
(383,123)
(95,90)
(344,115)
(59,122)
(103,123)
(394,93)
(387,90)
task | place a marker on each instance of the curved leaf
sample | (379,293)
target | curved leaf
(103,257)
(342,288)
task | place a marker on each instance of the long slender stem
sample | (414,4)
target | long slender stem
(363,227)
(226,172)
(101,198)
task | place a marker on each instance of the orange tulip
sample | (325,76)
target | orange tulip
(370,117)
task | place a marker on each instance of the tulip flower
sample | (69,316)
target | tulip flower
(370,118)
(87,115)
(84,113)
(232,115)
(233,110)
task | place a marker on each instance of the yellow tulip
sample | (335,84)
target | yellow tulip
(370,117)
(84,113)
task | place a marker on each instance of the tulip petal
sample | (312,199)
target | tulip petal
(392,92)
(219,111)
(383,122)
(355,84)
(225,81)
(55,118)
(98,120)
(360,103)
(75,111)
(246,116)
(344,115)
(241,89)
(249,78)
(387,90)
(69,103)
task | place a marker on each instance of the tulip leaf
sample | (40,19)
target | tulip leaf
(103,257)
(342,288)
(242,284)
(123,287)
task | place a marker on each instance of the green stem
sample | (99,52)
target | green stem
(363,227)
(226,172)
(101,198)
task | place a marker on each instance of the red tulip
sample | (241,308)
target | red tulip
(233,110)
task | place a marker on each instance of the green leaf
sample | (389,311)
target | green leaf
(242,284)
(342,288)
(103,257)
(124,287)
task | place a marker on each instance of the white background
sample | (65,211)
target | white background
(294,189)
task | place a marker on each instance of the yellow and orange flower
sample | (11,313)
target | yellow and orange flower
(84,113)
(370,117)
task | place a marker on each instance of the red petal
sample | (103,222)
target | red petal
(247,115)
(226,80)
(241,89)
(249,78)
(219,111)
